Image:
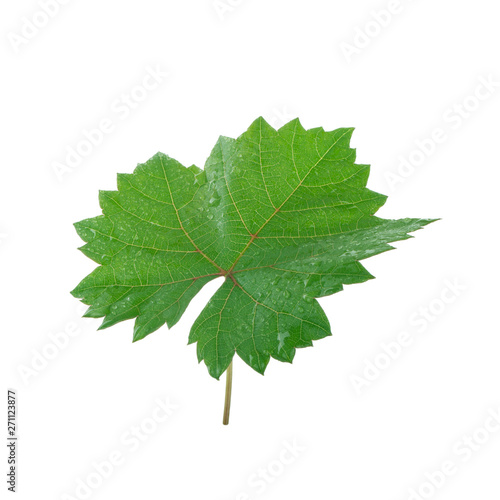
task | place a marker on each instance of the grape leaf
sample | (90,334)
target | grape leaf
(284,215)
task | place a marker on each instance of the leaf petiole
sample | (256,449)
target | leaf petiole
(229,386)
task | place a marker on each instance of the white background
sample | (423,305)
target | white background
(278,59)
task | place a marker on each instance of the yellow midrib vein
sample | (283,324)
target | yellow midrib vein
(182,226)
(287,198)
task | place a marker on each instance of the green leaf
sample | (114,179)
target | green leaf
(284,216)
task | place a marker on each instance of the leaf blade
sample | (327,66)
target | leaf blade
(284,215)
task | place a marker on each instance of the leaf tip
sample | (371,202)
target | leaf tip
(103,326)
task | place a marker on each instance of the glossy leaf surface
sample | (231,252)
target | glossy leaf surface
(284,216)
